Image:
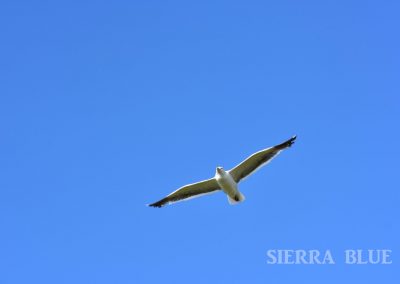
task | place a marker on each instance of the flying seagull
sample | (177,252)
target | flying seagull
(227,181)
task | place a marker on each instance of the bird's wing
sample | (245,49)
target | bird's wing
(189,191)
(257,160)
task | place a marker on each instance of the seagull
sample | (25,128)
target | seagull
(227,181)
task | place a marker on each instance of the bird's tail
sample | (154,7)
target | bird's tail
(239,197)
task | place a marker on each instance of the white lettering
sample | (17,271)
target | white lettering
(300,257)
(350,256)
(385,256)
(314,254)
(328,258)
(272,258)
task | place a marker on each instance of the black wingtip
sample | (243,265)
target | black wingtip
(287,143)
(157,204)
(290,142)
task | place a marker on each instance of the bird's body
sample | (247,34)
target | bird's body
(227,181)
(228,185)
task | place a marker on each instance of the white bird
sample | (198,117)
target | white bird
(227,181)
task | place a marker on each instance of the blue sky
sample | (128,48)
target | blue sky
(108,106)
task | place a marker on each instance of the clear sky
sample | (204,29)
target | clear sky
(106,106)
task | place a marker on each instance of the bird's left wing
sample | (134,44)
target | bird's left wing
(257,160)
(189,191)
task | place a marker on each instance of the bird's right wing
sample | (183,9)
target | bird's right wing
(257,160)
(189,191)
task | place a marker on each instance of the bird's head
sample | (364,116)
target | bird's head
(220,170)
